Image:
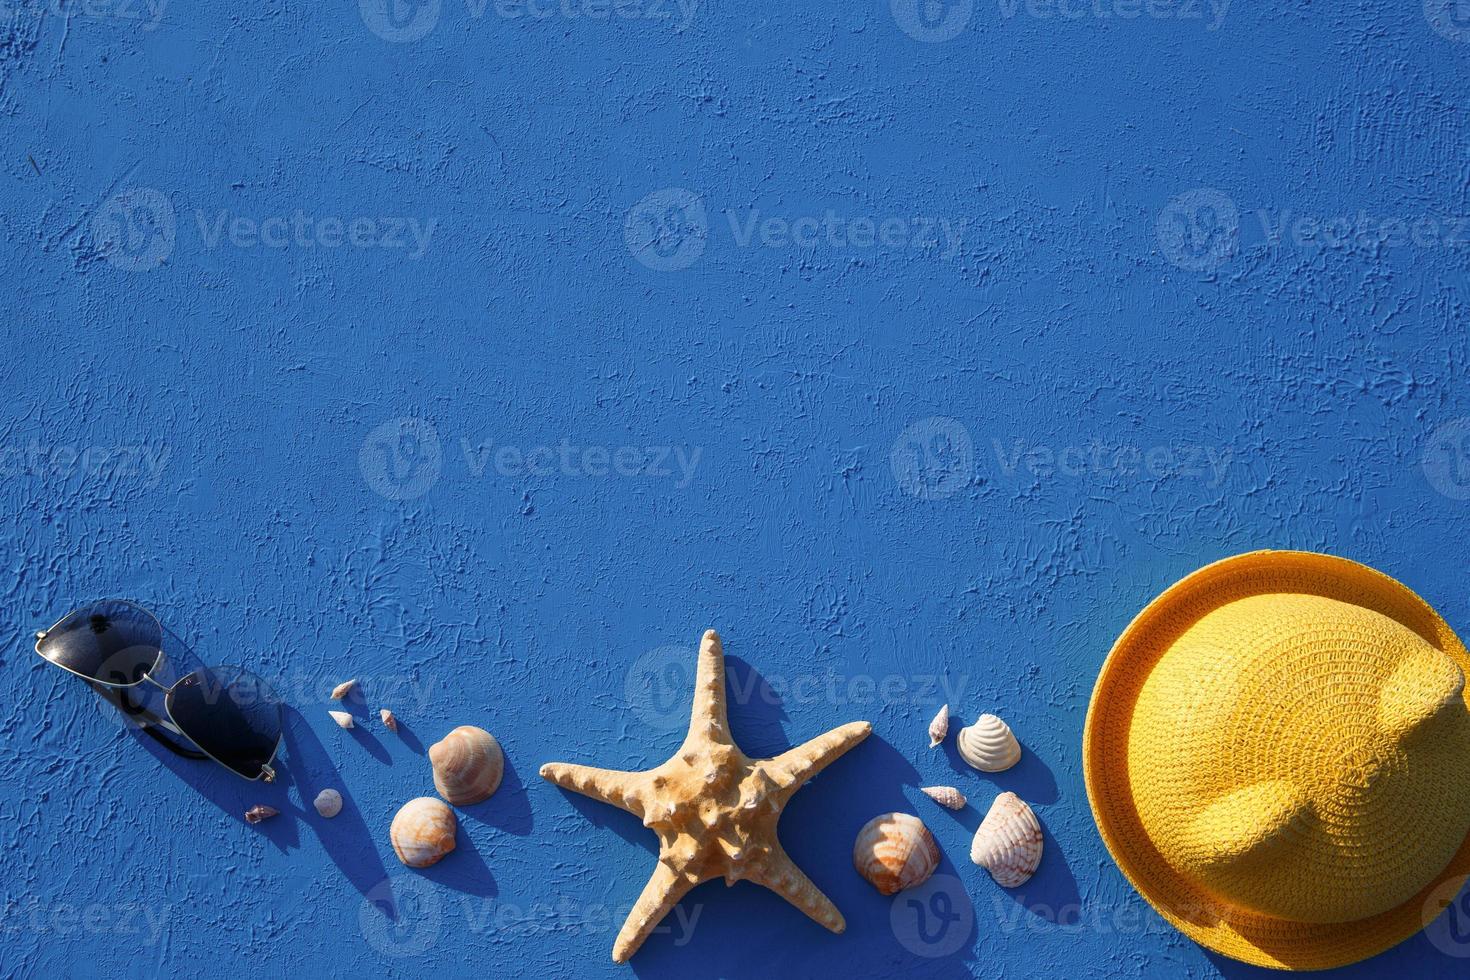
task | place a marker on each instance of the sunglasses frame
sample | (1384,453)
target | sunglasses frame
(150,719)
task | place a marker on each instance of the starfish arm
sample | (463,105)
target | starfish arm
(623,790)
(782,876)
(660,895)
(795,766)
(709,718)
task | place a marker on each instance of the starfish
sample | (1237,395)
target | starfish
(714,808)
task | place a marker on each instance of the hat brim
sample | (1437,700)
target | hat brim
(1239,934)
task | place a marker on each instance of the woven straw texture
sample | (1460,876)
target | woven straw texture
(1277,754)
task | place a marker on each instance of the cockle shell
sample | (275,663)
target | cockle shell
(895,851)
(342,690)
(467,764)
(945,796)
(260,812)
(1008,843)
(328,803)
(988,745)
(939,727)
(389,722)
(422,832)
(342,718)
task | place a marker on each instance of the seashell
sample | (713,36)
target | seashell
(260,812)
(389,722)
(895,851)
(945,796)
(342,718)
(422,832)
(1008,843)
(939,727)
(988,745)
(328,803)
(467,764)
(342,690)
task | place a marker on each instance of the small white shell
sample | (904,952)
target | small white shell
(945,796)
(342,690)
(422,832)
(988,745)
(342,718)
(328,803)
(895,851)
(1008,843)
(389,722)
(939,727)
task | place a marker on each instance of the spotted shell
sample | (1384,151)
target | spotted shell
(946,796)
(422,832)
(1008,843)
(468,765)
(988,745)
(895,851)
(328,803)
(939,727)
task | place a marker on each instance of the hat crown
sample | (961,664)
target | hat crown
(1303,757)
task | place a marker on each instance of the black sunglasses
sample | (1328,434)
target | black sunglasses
(229,713)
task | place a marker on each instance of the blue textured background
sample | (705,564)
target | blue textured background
(970,460)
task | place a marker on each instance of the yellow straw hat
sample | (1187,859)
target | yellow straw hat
(1277,754)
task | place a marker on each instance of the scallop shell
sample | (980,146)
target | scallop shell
(895,851)
(467,764)
(342,690)
(988,745)
(945,796)
(422,832)
(1008,843)
(328,803)
(389,722)
(939,727)
(260,812)
(342,718)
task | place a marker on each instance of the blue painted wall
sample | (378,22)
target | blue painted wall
(914,347)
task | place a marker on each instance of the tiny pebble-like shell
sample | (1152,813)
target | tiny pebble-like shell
(389,722)
(988,745)
(422,831)
(945,796)
(895,851)
(342,690)
(328,803)
(260,812)
(468,765)
(939,727)
(342,718)
(1008,843)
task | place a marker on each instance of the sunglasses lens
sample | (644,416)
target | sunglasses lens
(231,714)
(112,642)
